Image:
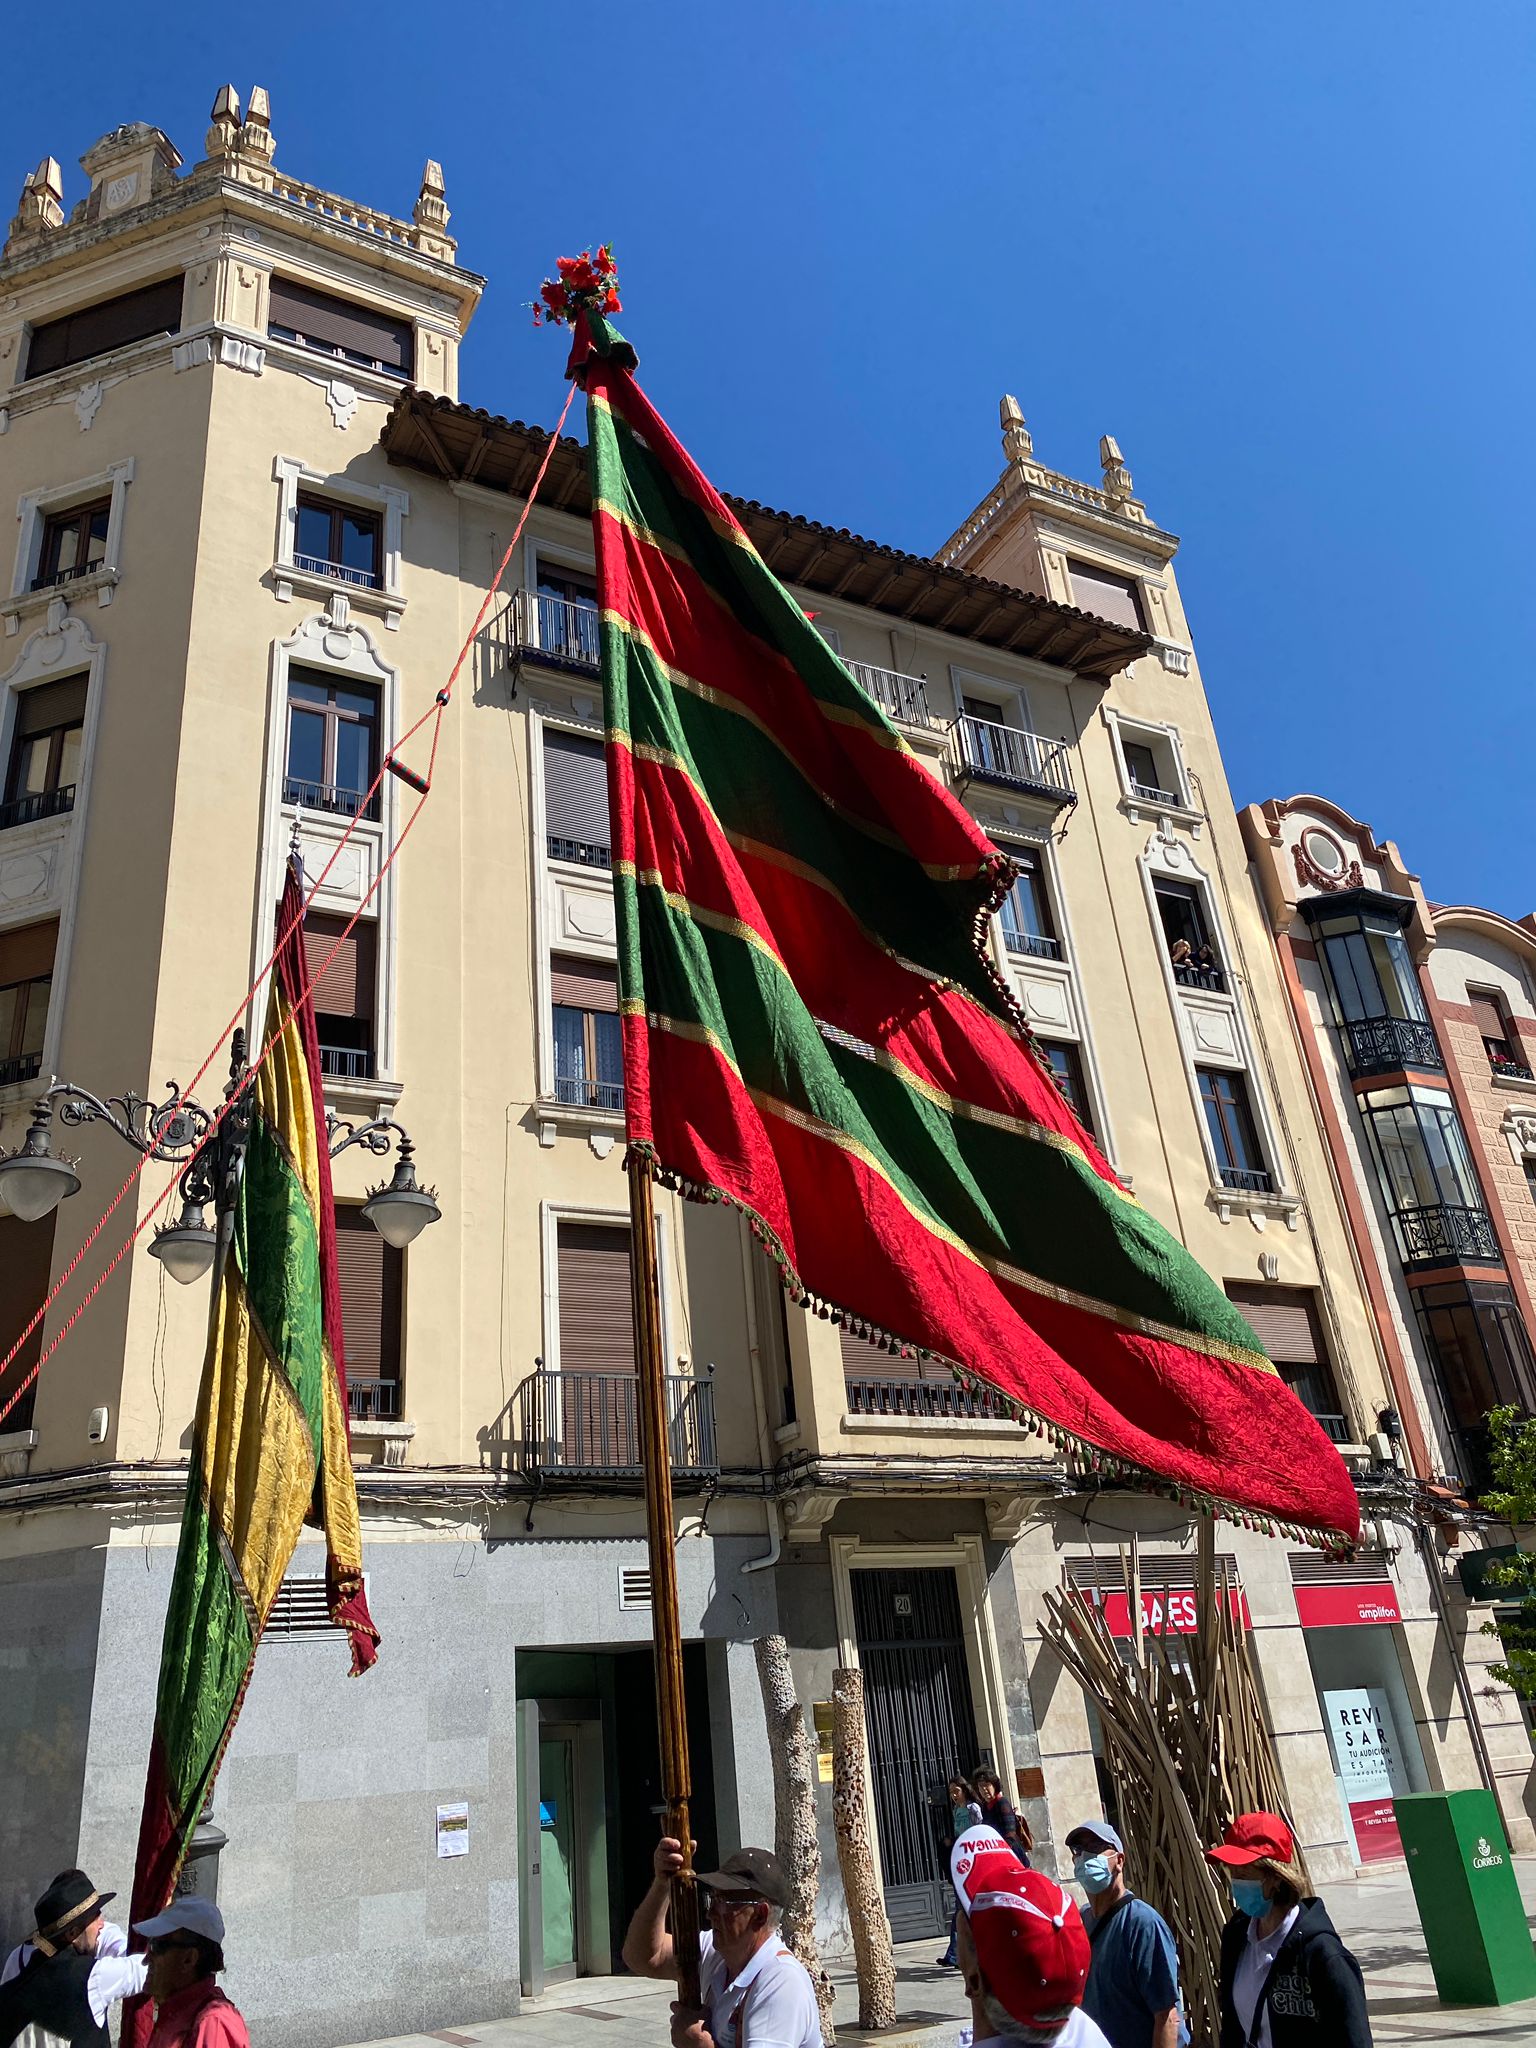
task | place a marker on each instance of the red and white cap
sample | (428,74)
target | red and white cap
(1029,1935)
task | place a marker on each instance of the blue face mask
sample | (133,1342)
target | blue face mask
(1248,1897)
(1093,1872)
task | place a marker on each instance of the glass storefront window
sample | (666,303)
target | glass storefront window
(1372,1735)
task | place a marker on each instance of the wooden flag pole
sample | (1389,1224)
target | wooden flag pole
(655,1451)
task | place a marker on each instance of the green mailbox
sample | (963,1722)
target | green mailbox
(1468,1897)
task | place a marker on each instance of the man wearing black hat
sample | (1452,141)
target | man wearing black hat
(755,1993)
(65,1987)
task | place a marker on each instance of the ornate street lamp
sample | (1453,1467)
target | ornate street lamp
(34,1180)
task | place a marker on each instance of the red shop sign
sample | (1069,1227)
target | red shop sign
(1347,1606)
(1375,1826)
(1165,1610)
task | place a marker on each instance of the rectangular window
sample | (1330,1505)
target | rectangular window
(333,743)
(113,323)
(568,616)
(45,752)
(1106,595)
(589,1060)
(372,1277)
(1370,970)
(1504,1055)
(26,1265)
(339,541)
(1026,912)
(1181,908)
(771,1307)
(596,1318)
(1141,766)
(344,993)
(1234,1135)
(576,799)
(1066,1064)
(339,328)
(74,543)
(26,985)
(1286,1322)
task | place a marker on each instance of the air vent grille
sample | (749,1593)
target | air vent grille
(634,1586)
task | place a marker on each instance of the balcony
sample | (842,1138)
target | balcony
(1199,974)
(1149,794)
(935,1400)
(1388,1045)
(585,1094)
(581,851)
(1505,1067)
(374,1400)
(346,1062)
(587,1424)
(329,796)
(1438,1231)
(47,803)
(338,572)
(904,698)
(561,631)
(51,579)
(25,1067)
(1248,1180)
(1009,757)
(1035,944)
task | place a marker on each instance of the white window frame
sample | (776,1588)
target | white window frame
(1014,696)
(333,642)
(292,475)
(551,1215)
(1149,731)
(66,647)
(32,510)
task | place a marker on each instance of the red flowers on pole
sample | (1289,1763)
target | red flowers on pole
(586,284)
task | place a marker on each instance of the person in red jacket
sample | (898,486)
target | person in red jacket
(186,1953)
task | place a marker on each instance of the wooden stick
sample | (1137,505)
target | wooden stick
(667,1627)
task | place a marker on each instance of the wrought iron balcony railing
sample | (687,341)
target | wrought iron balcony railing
(338,572)
(981,750)
(374,1400)
(586,1094)
(1387,1045)
(346,1062)
(1509,1068)
(1194,974)
(1150,794)
(935,1400)
(561,630)
(1435,1231)
(25,1067)
(1248,1180)
(588,1423)
(1036,944)
(582,851)
(329,796)
(72,574)
(46,803)
(900,697)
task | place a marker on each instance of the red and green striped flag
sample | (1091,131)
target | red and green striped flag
(270,1448)
(814,1033)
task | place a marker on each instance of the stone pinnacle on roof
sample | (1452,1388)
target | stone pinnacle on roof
(241,148)
(41,207)
(1017,445)
(431,213)
(1117,478)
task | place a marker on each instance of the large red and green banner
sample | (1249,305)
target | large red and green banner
(813,1030)
(270,1447)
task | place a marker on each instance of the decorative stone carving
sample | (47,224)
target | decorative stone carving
(186,355)
(1006,1515)
(40,210)
(341,397)
(601,1142)
(26,876)
(806,1515)
(1117,478)
(1269,1265)
(88,403)
(588,914)
(249,356)
(1017,445)
(431,214)
(1323,863)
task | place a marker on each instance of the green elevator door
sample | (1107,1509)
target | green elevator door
(557,1844)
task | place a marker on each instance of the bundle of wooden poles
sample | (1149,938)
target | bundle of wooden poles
(1186,1749)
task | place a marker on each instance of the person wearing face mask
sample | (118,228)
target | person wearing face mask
(1133,1980)
(1287,1981)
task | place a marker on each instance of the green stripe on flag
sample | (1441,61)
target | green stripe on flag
(278,1252)
(208,1647)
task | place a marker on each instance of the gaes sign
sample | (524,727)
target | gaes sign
(1165,1610)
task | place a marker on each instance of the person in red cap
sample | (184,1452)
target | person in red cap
(1022,1950)
(1287,1981)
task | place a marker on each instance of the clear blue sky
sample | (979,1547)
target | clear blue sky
(1284,253)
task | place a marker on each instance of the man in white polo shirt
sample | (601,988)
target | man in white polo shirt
(754,1993)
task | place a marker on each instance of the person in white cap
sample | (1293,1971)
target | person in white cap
(1022,1950)
(186,1953)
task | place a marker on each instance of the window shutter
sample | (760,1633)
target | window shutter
(50,705)
(863,1360)
(370,1274)
(338,323)
(134,316)
(1284,1319)
(585,984)
(27,953)
(596,1324)
(26,1262)
(1487,1015)
(1106,595)
(346,987)
(575,789)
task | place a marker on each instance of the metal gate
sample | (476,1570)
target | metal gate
(922,1729)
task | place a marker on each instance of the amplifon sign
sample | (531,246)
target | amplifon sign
(1347,1606)
(1165,1610)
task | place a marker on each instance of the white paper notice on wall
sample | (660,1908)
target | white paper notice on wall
(453,1829)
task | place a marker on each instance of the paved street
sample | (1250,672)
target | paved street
(1376,1916)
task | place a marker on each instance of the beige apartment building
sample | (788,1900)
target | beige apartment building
(254,524)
